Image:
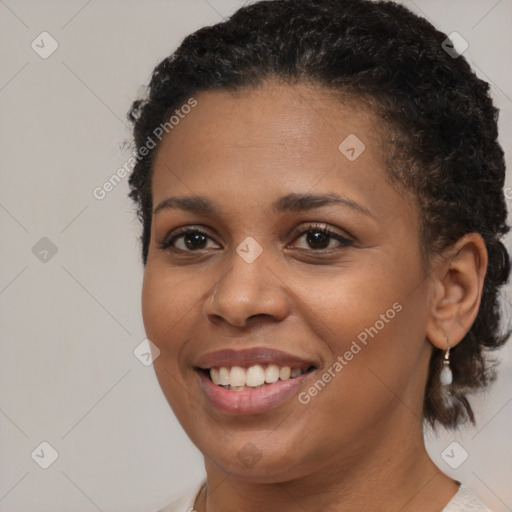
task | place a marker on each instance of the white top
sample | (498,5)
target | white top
(463,501)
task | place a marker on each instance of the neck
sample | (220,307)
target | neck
(393,472)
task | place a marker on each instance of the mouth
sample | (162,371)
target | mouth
(251,381)
(258,376)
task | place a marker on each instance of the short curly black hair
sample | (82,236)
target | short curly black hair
(441,131)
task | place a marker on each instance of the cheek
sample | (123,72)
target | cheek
(167,301)
(342,302)
(371,322)
(167,311)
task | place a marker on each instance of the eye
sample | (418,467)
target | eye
(319,237)
(186,240)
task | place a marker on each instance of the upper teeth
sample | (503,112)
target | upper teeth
(254,375)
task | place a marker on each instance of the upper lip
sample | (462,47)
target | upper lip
(251,357)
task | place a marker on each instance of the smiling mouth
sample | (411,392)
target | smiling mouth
(238,378)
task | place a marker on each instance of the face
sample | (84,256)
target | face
(295,252)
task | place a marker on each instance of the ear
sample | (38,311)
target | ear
(457,279)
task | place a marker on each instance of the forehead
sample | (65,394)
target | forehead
(260,142)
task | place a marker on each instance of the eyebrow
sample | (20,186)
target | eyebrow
(289,203)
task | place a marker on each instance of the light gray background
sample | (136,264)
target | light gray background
(68,375)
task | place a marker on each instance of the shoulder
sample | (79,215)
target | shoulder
(185,503)
(465,501)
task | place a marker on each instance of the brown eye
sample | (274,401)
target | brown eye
(186,240)
(195,240)
(317,239)
(321,238)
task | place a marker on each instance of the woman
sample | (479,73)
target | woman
(321,193)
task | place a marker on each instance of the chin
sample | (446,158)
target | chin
(254,463)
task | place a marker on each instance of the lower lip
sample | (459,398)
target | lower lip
(250,401)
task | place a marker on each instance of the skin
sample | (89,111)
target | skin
(358,444)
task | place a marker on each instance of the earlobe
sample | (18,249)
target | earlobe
(457,282)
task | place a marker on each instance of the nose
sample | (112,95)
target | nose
(247,293)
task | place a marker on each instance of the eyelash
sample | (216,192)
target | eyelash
(317,228)
(167,243)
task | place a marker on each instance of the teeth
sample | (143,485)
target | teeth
(254,376)
(215,374)
(295,373)
(223,376)
(220,376)
(272,373)
(237,378)
(284,373)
